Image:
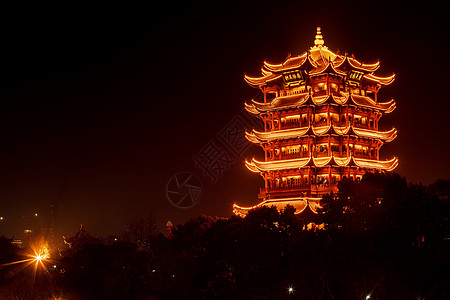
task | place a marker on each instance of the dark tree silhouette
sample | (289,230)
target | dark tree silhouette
(383,237)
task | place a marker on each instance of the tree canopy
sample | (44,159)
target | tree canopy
(381,237)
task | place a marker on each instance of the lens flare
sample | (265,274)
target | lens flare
(41,252)
(38,254)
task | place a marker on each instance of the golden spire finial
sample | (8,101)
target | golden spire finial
(318,42)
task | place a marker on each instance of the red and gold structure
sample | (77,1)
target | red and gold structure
(321,114)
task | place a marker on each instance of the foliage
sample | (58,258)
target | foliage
(382,237)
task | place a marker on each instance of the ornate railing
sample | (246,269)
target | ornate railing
(301,187)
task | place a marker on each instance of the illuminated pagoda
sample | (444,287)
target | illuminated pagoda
(320,115)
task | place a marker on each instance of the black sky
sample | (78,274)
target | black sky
(102,105)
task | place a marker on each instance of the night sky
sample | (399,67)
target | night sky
(101,106)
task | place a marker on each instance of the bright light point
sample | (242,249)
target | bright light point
(290,290)
(40,253)
(40,257)
(1,218)
(368,297)
(35,215)
(54,266)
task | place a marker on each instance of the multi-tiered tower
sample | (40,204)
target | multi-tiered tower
(321,115)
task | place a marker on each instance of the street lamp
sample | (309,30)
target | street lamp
(290,290)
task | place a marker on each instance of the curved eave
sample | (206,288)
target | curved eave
(260,166)
(342,161)
(321,130)
(251,109)
(251,166)
(342,63)
(381,80)
(258,137)
(341,99)
(301,99)
(351,63)
(265,72)
(392,107)
(283,102)
(259,81)
(289,64)
(386,136)
(387,165)
(272,67)
(327,69)
(289,101)
(294,62)
(341,130)
(309,63)
(319,100)
(289,164)
(321,161)
(365,101)
(362,66)
(299,203)
(251,137)
(261,137)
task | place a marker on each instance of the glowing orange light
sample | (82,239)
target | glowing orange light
(40,254)
(40,257)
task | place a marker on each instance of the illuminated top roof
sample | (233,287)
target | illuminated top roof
(297,100)
(297,163)
(318,60)
(261,137)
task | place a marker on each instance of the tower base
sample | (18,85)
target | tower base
(299,203)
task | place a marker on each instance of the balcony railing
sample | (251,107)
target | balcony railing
(321,154)
(286,188)
(289,125)
(301,188)
(321,122)
(324,188)
(320,93)
(293,155)
(361,125)
(358,154)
